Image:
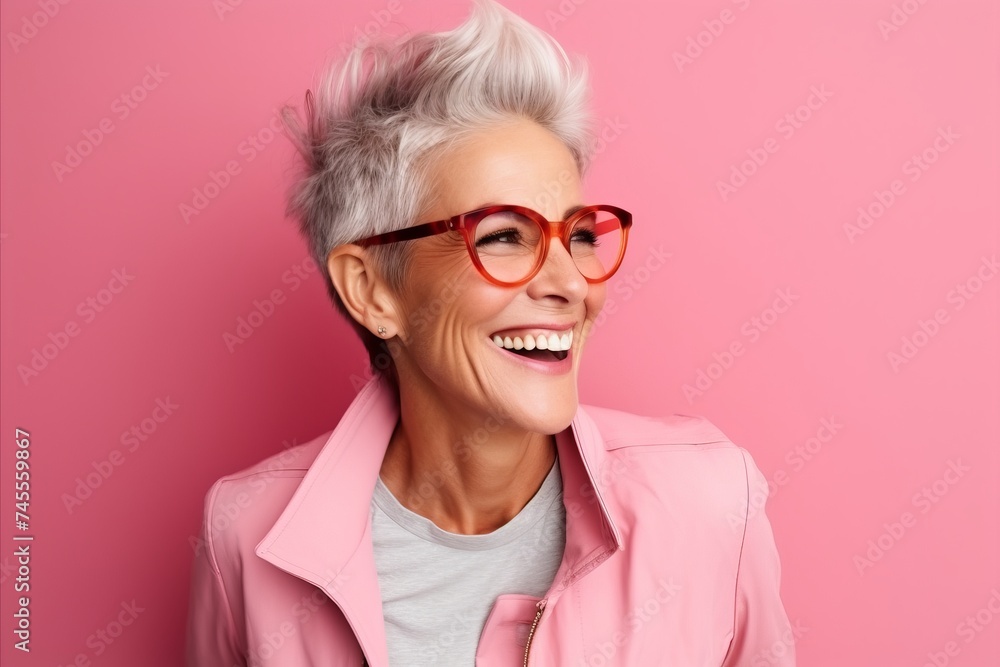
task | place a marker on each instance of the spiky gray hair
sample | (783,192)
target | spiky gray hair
(382,114)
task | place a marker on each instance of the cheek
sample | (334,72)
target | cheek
(435,261)
(447,337)
(595,299)
(452,311)
(475,308)
(435,282)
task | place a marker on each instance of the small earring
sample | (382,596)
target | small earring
(381,330)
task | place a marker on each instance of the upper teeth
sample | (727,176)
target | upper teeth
(552,341)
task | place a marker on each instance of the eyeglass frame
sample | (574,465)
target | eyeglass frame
(465,224)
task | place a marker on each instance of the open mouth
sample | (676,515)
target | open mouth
(540,346)
(542,355)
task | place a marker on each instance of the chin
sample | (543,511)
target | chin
(547,410)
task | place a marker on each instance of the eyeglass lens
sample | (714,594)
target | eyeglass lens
(509,244)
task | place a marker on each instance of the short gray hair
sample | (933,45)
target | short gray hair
(382,114)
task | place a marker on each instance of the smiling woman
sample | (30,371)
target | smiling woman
(467,509)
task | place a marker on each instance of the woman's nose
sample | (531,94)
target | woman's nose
(559,275)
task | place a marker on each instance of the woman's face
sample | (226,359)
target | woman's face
(450,315)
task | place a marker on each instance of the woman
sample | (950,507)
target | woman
(467,510)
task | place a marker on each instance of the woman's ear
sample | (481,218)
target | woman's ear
(366,295)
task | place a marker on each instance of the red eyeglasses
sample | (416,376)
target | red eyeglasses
(509,244)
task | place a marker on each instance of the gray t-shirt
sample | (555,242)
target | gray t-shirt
(438,587)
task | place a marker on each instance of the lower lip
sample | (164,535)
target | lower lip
(560,367)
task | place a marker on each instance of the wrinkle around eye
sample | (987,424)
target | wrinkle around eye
(440,251)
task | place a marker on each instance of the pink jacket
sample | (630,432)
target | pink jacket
(669,558)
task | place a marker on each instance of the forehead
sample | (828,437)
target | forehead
(518,162)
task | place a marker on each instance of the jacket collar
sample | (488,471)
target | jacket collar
(324,533)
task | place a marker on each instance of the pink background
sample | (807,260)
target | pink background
(672,133)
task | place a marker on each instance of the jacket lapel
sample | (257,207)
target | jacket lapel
(591,533)
(324,534)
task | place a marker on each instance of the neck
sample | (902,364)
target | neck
(468,472)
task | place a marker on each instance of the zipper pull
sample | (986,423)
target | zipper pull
(534,624)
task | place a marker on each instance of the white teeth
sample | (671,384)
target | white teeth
(542,342)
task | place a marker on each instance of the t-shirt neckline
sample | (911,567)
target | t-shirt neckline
(549,492)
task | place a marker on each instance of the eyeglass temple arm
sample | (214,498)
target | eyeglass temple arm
(607,226)
(603,227)
(406,234)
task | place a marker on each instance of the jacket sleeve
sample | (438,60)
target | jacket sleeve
(762,635)
(211,630)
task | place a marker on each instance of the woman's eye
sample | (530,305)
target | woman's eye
(500,236)
(584,236)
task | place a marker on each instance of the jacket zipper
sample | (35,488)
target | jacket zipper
(534,624)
